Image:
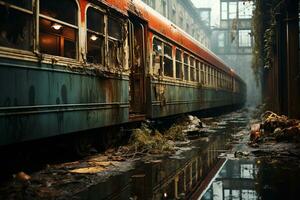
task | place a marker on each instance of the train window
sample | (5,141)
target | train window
(58,28)
(115,28)
(16,24)
(115,42)
(179,73)
(218,79)
(215,78)
(26,4)
(192,69)
(208,75)
(197,71)
(95,36)
(157,46)
(157,56)
(212,77)
(168,61)
(223,81)
(202,75)
(186,66)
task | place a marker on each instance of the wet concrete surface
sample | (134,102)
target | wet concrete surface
(218,164)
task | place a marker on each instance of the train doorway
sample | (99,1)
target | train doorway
(137,62)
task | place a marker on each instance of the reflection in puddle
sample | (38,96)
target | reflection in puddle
(236,180)
(254,179)
(165,178)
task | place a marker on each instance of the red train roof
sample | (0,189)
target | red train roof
(163,26)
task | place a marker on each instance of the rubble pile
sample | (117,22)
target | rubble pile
(277,127)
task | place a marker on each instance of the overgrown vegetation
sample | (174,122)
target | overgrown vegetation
(150,141)
(263,28)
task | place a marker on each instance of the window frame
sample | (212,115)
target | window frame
(202,73)
(180,62)
(104,34)
(160,54)
(78,39)
(186,66)
(33,41)
(169,58)
(113,39)
(242,5)
(192,69)
(233,15)
(248,43)
(224,9)
(198,63)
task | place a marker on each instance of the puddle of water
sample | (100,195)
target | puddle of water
(254,179)
(183,175)
(174,177)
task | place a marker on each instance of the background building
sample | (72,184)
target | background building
(233,42)
(186,16)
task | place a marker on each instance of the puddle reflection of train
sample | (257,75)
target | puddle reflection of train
(179,178)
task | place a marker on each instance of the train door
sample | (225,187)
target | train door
(137,66)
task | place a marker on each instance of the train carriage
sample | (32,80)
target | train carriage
(73,65)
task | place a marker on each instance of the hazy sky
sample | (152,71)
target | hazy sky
(215,9)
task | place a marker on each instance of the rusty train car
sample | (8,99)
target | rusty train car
(74,65)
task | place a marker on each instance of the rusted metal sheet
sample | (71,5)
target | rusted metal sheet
(167,98)
(43,101)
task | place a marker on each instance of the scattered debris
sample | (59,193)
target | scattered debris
(278,127)
(22,176)
(88,170)
(241,154)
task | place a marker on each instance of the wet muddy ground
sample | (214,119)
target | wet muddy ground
(268,170)
(216,163)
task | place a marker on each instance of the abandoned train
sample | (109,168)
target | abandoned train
(73,65)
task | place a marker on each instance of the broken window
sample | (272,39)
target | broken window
(58,28)
(157,56)
(245,9)
(115,42)
(186,67)
(95,36)
(192,69)
(179,73)
(168,61)
(16,24)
